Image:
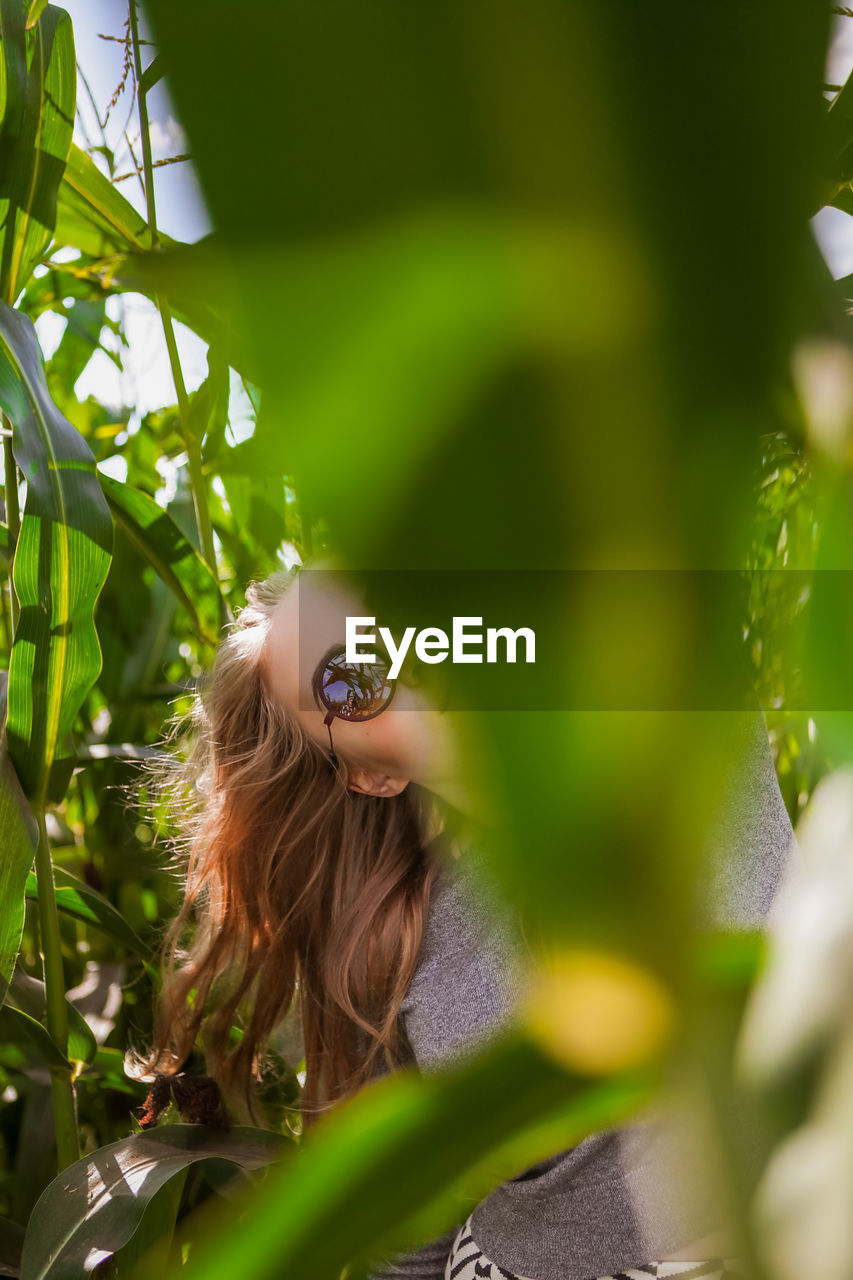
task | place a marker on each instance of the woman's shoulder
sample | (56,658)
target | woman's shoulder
(471,965)
(467,895)
(750,843)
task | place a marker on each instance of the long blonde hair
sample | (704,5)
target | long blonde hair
(302,892)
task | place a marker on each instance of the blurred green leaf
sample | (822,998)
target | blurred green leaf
(346,1193)
(161,544)
(107,1067)
(80,340)
(70,1221)
(77,899)
(40,74)
(208,415)
(19,840)
(27,995)
(838,142)
(61,562)
(19,1030)
(62,282)
(721,960)
(181,272)
(11,1243)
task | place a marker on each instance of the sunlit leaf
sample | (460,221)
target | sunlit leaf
(61,562)
(78,899)
(18,841)
(85,320)
(93,215)
(39,74)
(149,1248)
(36,9)
(27,994)
(62,282)
(95,1205)
(24,1041)
(159,541)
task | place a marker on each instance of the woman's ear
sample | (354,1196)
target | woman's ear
(375,784)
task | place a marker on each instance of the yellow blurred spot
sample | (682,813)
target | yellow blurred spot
(595,1012)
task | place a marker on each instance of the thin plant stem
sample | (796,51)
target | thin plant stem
(64,1110)
(92,101)
(198,484)
(137,168)
(13,517)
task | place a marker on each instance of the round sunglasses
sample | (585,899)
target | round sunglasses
(350,690)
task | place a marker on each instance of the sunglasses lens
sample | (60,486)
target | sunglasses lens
(354,691)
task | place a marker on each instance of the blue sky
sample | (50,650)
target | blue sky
(145,382)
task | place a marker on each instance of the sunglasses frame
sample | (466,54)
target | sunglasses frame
(337,651)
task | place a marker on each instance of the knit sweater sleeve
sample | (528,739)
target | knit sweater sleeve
(464,994)
(471,971)
(750,846)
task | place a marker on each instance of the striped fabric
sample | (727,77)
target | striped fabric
(468,1262)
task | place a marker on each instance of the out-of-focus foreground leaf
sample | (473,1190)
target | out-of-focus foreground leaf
(61,562)
(511,315)
(73,1227)
(39,87)
(515,324)
(345,1191)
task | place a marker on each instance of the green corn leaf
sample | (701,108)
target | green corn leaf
(38,92)
(36,9)
(108,1067)
(25,1042)
(18,840)
(11,1243)
(160,542)
(152,75)
(149,1249)
(61,563)
(27,995)
(94,216)
(71,1221)
(77,899)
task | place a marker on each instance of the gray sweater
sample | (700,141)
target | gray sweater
(623,1196)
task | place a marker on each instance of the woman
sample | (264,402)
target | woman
(332,874)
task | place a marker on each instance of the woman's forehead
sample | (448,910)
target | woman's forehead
(306,622)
